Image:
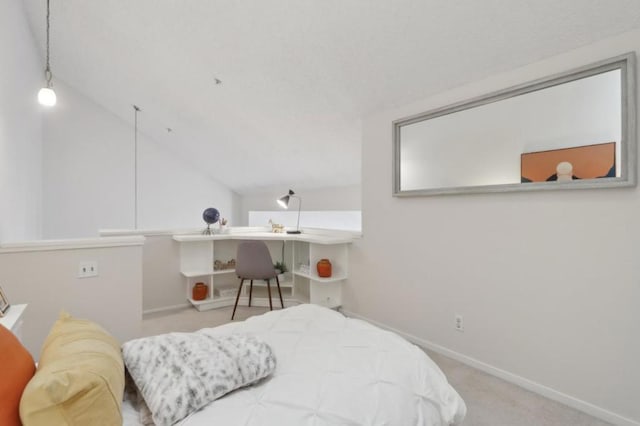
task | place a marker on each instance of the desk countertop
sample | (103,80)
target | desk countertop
(304,237)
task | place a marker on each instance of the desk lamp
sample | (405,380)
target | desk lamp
(284,203)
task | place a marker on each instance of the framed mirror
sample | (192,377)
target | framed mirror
(572,130)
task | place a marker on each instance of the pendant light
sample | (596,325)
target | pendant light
(46,95)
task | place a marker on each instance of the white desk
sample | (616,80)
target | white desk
(198,252)
(270,236)
(12,319)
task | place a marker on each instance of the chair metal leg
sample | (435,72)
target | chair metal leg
(269,290)
(237,298)
(279,292)
(250,291)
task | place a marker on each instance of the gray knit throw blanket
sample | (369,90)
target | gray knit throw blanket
(179,373)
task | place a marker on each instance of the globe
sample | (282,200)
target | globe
(211,215)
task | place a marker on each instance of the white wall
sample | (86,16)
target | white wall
(333,198)
(47,281)
(89,175)
(548,283)
(21,76)
(236,207)
(343,220)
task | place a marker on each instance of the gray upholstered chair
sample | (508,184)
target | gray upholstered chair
(253,262)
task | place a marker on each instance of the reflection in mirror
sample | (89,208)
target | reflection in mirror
(572,129)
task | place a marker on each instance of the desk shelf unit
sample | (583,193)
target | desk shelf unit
(198,252)
(320,291)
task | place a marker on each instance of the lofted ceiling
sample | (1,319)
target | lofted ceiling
(297,75)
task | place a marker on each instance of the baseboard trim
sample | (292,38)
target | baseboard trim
(532,386)
(166,308)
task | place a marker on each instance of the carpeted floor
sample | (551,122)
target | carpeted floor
(490,401)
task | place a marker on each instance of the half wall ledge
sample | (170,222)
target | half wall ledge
(71,244)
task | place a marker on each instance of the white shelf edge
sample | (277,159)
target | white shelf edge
(204,301)
(261,283)
(191,274)
(319,279)
(189,238)
(224,271)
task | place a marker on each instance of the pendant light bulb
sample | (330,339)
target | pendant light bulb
(47,97)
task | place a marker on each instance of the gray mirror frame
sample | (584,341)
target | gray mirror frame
(628,144)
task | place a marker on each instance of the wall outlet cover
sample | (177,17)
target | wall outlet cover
(88,269)
(458,323)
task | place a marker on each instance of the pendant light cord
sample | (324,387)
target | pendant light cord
(136,109)
(47,70)
(299,208)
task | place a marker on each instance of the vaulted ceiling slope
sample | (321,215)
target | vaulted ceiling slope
(297,75)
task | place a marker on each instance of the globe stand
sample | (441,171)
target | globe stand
(210,216)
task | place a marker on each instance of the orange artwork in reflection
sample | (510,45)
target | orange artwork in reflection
(588,162)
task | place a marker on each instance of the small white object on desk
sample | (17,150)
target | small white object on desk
(12,319)
(304,268)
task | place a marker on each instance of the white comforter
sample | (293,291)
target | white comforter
(333,370)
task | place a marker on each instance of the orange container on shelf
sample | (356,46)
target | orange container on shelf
(200,291)
(324,268)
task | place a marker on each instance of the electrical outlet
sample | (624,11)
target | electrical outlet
(88,269)
(459,324)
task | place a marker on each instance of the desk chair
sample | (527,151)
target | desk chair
(253,262)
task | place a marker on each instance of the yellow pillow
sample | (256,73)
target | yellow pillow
(79,380)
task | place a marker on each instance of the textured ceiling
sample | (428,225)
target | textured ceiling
(297,75)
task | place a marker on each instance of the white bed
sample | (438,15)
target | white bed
(332,370)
